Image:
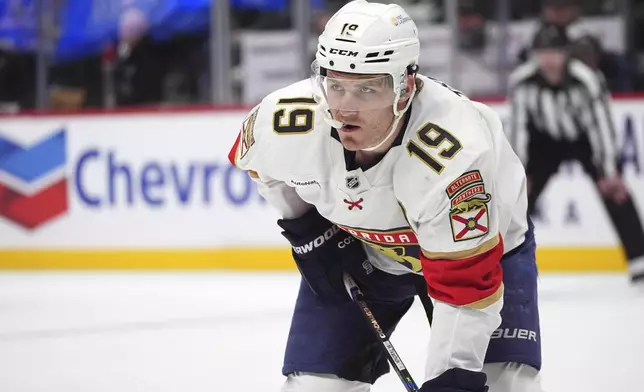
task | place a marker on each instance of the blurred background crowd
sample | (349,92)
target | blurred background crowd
(73,54)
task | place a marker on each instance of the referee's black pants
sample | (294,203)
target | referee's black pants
(545,156)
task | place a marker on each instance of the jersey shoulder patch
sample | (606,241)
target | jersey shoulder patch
(247,136)
(469,212)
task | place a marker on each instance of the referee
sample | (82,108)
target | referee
(560,112)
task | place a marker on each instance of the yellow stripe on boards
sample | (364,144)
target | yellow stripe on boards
(226,259)
(259,259)
(581,259)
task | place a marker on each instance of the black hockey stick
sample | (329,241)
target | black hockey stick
(392,355)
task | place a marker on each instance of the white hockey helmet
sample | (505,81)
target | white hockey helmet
(368,38)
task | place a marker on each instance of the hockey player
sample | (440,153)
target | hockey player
(402,182)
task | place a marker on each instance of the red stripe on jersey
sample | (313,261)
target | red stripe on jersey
(233,152)
(465,281)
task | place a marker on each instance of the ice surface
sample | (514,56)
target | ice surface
(219,332)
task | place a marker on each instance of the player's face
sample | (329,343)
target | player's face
(551,63)
(364,103)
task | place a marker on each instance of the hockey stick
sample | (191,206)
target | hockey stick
(394,359)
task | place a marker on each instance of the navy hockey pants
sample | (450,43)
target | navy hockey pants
(335,339)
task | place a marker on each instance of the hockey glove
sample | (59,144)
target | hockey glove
(320,250)
(457,380)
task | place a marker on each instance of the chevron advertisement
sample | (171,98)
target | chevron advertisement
(132,181)
(155,190)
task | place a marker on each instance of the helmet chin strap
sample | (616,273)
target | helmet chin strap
(394,125)
(328,118)
(334,123)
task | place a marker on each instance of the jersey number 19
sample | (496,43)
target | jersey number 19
(433,136)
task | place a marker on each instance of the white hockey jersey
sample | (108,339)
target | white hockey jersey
(447,200)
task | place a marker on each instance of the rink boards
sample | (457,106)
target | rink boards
(154,190)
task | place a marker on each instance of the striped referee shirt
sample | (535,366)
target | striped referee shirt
(564,113)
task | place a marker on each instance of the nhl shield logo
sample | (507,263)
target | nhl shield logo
(353,182)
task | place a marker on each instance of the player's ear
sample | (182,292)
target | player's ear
(411,84)
(409,87)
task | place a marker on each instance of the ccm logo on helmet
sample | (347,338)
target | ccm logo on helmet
(317,242)
(343,52)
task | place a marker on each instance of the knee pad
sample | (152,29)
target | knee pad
(311,382)
(512,377)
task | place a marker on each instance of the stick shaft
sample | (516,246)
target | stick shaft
(392,355)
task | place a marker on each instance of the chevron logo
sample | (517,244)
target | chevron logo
(33,183)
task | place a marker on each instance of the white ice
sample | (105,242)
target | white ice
(220,332)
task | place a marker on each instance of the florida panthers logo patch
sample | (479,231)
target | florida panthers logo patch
(469,214)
